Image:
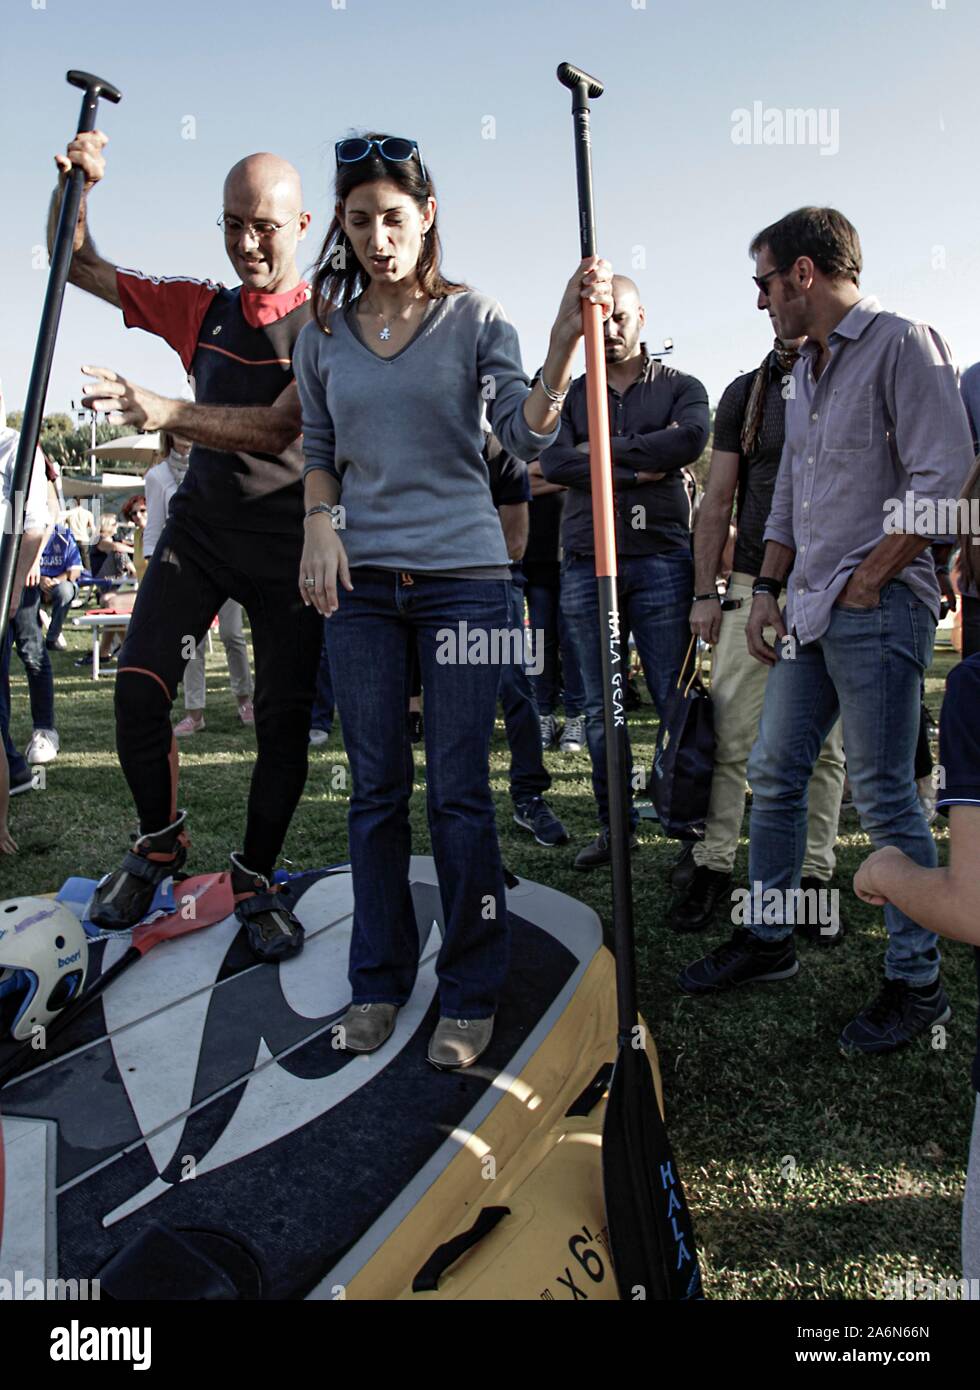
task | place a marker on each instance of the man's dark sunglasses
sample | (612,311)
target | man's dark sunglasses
(762,281)
(392,148)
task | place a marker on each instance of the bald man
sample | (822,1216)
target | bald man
(235,530)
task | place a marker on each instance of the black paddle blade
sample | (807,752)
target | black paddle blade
(651,1237)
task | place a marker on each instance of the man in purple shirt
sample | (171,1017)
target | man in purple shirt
(877,447)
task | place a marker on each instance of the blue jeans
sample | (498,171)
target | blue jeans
(323,704)
(868,668)
(16,761)
(370,639)
(560,680)
(61,598)
(528,774)
(654,602)
(29,640)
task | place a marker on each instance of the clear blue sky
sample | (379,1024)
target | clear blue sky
(292,76)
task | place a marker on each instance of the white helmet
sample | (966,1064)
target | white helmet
(43,963)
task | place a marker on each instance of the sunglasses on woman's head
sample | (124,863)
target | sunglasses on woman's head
(392,148)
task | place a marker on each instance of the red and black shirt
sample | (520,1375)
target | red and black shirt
(236,346)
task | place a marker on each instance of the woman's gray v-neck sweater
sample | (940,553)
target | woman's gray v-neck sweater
(404,435)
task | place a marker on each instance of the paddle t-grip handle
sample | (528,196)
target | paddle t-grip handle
(94,88)
(571,76)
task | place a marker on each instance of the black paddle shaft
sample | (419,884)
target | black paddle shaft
(583,86)
(650,1233)
(37,390)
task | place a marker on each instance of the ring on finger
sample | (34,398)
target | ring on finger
(309,583)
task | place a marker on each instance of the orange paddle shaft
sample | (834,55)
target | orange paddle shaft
(600,453)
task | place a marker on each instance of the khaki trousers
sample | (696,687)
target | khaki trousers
(232,635)
(738,684)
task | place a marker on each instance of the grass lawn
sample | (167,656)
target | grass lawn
(810,1175)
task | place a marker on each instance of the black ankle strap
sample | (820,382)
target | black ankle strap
(150,870)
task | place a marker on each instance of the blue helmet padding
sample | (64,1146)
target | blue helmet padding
(26,981)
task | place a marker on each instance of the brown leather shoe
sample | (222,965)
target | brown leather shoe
(458,1042)
(364,1027)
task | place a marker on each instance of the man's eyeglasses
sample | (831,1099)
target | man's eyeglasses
(392,148)
(762,281)
(262,231)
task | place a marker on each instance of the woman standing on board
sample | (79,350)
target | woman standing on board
(396,374)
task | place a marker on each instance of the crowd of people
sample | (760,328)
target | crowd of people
(383,497)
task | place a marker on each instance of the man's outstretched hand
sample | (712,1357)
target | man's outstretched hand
(127,403)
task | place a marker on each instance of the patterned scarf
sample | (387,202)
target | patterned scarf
(783,358)
(178,464)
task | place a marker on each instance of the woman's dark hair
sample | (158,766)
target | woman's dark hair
(823,234)
(166,444)
(337,274)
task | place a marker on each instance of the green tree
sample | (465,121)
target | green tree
(70,449)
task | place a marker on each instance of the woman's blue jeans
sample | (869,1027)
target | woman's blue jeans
(458,626)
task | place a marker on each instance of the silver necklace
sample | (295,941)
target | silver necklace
(384,333)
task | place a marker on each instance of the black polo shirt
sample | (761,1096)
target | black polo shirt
(756,471)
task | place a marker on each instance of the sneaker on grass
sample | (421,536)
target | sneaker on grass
(538,817)
(549,730)
(573,735)
(26,781)
(900,1013)
(596,855)
(744,960)
(43,747)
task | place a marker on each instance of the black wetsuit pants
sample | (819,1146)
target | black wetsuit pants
(193,570)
